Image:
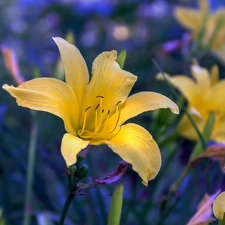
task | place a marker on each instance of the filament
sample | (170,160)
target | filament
(85,119)
(117,115)
(100,125)
(107,119)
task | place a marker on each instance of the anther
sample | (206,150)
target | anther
(99,96)
(87,108)
(103,111)
(118,103)
(97,107)
(85,118)
(118,111)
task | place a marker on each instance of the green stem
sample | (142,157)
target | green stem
(131,202)
(171,153)
(202,140)
(196,152)
(175,187)
(206,134)
(30,169)
(96,196)
(167,213)
(172,191)
(170,138)
(65,208)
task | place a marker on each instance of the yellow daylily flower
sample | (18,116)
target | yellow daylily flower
(208,28)
(94,112)
(204,94)
(219,206)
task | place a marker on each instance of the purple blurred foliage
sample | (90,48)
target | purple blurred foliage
(215,5)
(3,109)
(88,7)
(39,3)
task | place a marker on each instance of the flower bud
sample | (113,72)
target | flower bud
(72,170)
(82,172)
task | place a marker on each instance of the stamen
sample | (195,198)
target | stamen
(85,119)
(106,122)
(99,96)
(117,115)
(87,108)
(96,118)
(118,103)
(97,107)
(113,135)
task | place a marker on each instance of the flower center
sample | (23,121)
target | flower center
(105,121)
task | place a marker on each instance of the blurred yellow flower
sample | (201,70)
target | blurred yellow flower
(219,206)
(208,28)
(204,94)
(94,112)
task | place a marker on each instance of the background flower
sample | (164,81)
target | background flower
(204,94)
(207,27)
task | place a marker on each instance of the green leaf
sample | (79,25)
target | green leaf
(36,73)
(121,58)
(222,222)
(116,206)
(206,135)
(201,138)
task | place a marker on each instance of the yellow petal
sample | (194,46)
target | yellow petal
(75,67)
(216,29)
(214,98)
(218,134)
(136,146)
(214,75)
(109,81)
(185,85)
(203,5)
(188,18)
(48,95)
(219,206)
(219,14)
(186,129)
(70,147)
(145,101)
(202,77)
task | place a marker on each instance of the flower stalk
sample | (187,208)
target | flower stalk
(74,174)
(65,208)
(30,169)
(206,135)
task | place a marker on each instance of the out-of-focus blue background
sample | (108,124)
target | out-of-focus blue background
(139,27)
